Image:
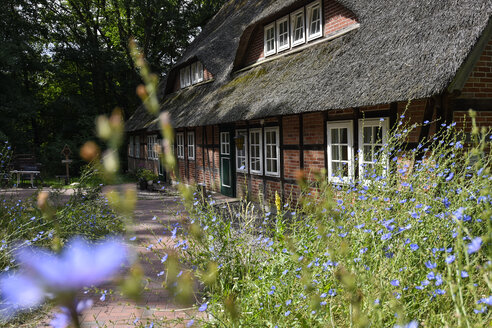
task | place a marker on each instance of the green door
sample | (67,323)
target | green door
(227,166)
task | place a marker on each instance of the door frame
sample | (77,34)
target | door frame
(224,189)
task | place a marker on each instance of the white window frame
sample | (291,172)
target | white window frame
(265,48)
(382,122)
(349,125)
(309,9)
(190,137)
(243,133)
(137,146)
(131,144)
(180,145)
(293,25)
(151,144)
(276,147)
(260,144)
(196,72)
(225,143)
(278,23)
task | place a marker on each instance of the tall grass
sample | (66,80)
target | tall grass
(407,242)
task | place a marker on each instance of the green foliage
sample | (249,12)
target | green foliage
(390,248)
(63,63)
(146,175)
(5,160)
(85,214)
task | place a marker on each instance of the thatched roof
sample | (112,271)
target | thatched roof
(402,49)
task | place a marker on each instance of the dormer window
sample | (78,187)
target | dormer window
(314,20)
(191,74)
(283,40)
(270,48)
(297,22)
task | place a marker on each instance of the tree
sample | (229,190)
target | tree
(63,62)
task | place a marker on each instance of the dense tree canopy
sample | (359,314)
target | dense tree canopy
(63,62)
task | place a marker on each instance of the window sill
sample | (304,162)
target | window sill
(196,85)
(256,173)
(273,175)
(314,37)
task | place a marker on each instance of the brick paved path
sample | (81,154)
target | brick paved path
(156,306)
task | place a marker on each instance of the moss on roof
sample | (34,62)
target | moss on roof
(403,49)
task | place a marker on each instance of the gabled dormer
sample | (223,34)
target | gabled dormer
(189,74)
(294,28)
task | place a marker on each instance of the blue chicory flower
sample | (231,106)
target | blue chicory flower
(450,259)
(79,265)
(475,245)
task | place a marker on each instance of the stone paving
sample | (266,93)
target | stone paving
(153,213)
(156,305)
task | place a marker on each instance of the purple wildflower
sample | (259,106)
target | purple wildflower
(79,265)
(475,245)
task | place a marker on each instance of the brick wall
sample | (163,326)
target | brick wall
(314,162)
(335,16)
(290,130)
(313,128)
(291,163)
(464,122)
(479,84)
(414,114)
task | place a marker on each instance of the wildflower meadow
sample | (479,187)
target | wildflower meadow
(404,244)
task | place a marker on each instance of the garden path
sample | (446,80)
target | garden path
(156,305)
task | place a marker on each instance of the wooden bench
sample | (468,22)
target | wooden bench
(26,165)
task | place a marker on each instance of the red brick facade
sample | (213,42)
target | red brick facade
(303,137)
(479,84)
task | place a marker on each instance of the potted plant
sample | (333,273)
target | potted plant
(145,178)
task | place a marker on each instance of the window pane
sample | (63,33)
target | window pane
(299,27)
(283,37)
(335,153)
(377,151)
(269,165)
(344,136)
(334,136)
(344,153)
(315,21)
(367,153)
(335,167)
(378,133)
(344,169)
(367,134)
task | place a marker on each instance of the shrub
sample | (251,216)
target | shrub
(146,175)
(408,242)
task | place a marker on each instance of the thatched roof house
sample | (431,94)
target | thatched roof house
(389,52)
